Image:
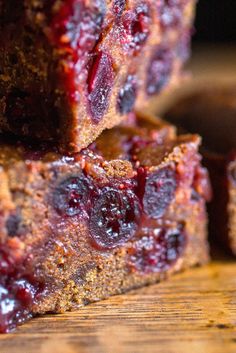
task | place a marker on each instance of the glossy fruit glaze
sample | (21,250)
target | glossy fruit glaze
(19,286)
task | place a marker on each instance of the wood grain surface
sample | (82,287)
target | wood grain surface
(193,312)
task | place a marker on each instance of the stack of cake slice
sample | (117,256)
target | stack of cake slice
(84,213)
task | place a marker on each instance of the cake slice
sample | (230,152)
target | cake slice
(212,114)
(71,68)
(126,212)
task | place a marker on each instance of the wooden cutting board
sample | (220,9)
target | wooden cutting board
(194,312)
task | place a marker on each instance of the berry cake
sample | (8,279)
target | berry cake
(125,212)
(71,68)
(212,113)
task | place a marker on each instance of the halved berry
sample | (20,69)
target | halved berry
(136,27)
(118,7)
(71,196)
(170,12)
(127,95)
(76,27)
(13,225)
(232,172)
(159,70)
(100,82)
(114,217)
(18,290)
(159,191)
(158,252)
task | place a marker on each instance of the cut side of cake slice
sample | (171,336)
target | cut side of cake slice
(72,68)
(126,212)
(212,114)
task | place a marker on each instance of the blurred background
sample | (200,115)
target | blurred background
(216,21)
(213,59)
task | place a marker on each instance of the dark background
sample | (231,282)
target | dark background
(216,21)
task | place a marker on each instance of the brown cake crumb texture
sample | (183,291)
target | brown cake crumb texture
(212,114)
(70,69)
(126,212)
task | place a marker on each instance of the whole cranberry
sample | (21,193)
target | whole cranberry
(127,95)
(170,12)
(158,252)
(159,70)
(71,196)
(136,25)
(159,191)
(100,82)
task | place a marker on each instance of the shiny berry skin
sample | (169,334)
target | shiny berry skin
(157,252)
(18,290)
(159,70)
(136,28)
(159,191)
(100,82)
(232,172)
(74,30)
(170,12)
(118,7)
(114,217)
(127,95)
(13,225)
(71,196)
(75,27)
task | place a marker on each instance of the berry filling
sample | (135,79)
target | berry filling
(136,28)
(171,12)
(100,82)
(75,30)
(127,95)
(232,172)
(114,217)
(118,7)
(159,192)
(157,252)
(159,70)
(71,196)
(19,289)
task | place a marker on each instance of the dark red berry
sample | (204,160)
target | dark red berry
(75,29)
(232,171)
(136,26)
(159,70)
(100,82)
(170,12)
(118,7)
(158,252)
(71,196)
(13,225)
(18,290)
(159,191)
(127,95)
(114,217)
